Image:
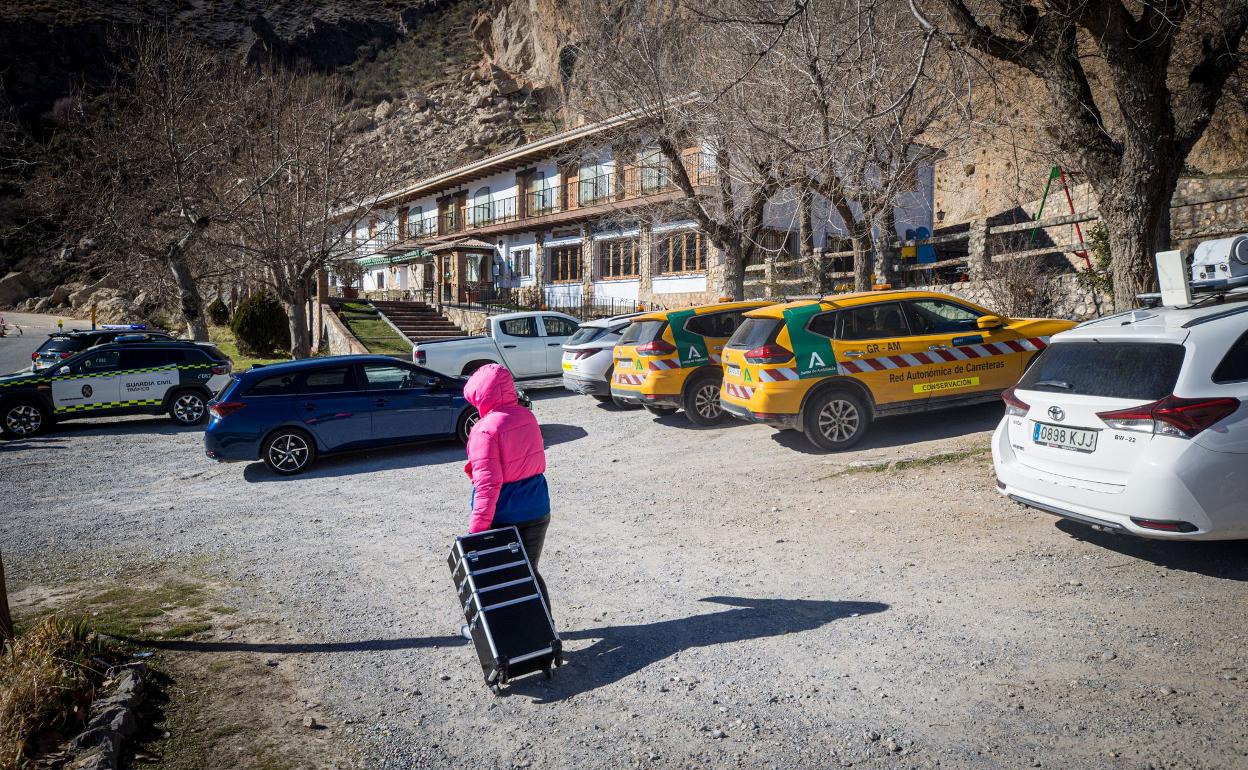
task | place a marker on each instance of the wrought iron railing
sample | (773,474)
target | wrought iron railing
(494,299)
(624,183)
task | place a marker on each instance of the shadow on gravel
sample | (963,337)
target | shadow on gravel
(397,457)
(371,461)
(909,428)
(123,426)
(624,650)
(558,433)
(1225,559)
(292,648)
(545,390)
(679,420)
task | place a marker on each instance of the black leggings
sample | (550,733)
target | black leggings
(533,535)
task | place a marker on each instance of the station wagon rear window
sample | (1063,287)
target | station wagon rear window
(586,334)
(277,385)
(1143,371)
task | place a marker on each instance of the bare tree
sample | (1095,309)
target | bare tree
(1132,132)
(149,182)
(871,105)
(835,97)
(691,117)
(303,188)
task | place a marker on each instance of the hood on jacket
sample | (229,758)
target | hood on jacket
(490,388)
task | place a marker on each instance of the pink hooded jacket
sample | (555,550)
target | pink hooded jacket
(505,447)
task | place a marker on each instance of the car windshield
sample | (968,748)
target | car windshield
(754,332)
(641,332)
(1143,371)
(586,334)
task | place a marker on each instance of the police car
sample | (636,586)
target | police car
(134,374)
(60,345)
(828,367)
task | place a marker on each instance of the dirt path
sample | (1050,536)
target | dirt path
(728,598)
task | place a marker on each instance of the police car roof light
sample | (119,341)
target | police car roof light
(131,327)
(133,338)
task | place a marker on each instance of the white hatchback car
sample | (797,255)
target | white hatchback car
(587,359)
(1136,423)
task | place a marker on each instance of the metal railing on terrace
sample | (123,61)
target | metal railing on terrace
(628,183)
(625,184)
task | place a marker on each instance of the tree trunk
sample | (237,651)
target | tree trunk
(296,304)
(861,246)
(1136,213)
(189,300)
(6,620)
(735,253)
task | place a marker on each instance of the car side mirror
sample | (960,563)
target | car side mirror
(989,322)
(63,370)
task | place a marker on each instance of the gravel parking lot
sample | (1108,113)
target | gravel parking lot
(727,597)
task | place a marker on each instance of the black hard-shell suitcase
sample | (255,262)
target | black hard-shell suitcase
(511,626)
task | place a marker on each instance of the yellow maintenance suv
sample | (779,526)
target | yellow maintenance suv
(829,367)
(670,359)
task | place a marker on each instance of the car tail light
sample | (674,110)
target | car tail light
(769,354)
(577,355)
(34,356)
(225,408)
(1171,416)
(66,354)
(220,370)
(419,356)
(656,348)
(1164,526)
(1014,406)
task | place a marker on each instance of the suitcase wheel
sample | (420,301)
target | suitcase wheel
(495,689)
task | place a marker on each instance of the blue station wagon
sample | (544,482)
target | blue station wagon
(289,413)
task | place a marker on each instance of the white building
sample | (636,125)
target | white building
(524,225)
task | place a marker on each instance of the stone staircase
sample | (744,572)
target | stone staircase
(417,321)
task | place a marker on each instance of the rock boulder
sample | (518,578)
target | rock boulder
(14,288)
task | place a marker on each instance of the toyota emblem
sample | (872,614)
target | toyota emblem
(1056,413)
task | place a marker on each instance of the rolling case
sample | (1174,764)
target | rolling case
(510,624)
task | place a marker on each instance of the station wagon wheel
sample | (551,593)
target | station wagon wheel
(288,452)
(24,420)
(836,420)
(701,400)
(188,408)
(469,418)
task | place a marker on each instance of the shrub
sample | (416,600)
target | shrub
(48,677)
(1099,276)
(218,313)
(260,325)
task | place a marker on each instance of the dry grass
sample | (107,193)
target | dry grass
(48,677)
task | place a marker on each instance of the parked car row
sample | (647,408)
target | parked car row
(1134,423)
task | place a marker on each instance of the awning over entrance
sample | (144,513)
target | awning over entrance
(381,260)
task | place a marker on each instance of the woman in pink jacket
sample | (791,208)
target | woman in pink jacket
(507,464)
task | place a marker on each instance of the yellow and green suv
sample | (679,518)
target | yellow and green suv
(670,359)
(828,367)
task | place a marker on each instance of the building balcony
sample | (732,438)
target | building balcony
(567,202)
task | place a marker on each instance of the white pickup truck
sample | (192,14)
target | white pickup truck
(529,344)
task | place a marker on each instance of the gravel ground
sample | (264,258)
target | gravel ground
(727,597)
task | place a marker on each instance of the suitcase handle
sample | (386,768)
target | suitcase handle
(513,547)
